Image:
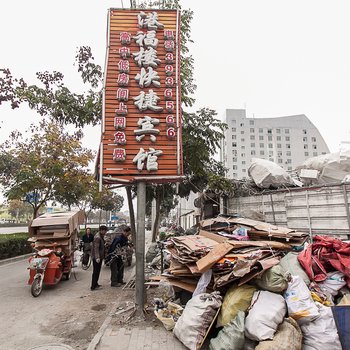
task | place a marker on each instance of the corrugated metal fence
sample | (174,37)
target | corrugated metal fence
(316,209)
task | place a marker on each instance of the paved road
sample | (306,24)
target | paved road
(67,313)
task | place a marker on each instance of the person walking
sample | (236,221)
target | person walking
(117,256)
(97,254)
(87,240)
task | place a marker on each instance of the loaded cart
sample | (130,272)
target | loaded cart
(54,239)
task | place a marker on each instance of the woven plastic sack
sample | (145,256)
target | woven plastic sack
(266,313)
(195,320)
(299,301)
(236,299)
(321,334)
(274,279)
(231,336)
(290,264)
(334,282)
(287,337)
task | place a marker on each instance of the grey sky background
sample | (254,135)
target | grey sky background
(272,57)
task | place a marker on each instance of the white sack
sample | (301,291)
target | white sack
(267,311)
(300,304)
(203,283)
(321,334)
(266,174)
(195,320)
(334,282)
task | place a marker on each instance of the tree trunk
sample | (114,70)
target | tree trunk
(155,229)
(131,214)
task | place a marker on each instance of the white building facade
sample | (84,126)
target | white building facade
(287,141)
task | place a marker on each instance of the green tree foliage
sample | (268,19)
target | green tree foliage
(19,210)
(32,167)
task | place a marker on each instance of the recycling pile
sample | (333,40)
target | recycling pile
(257,286)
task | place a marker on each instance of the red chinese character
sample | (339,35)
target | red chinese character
(170,120)
(123,79)
(119,122)
(169,69)
(169,45)
(122,94)
(124,52)
(119,154)
(169,81)
(119,138)
(168,34)
(125,38)
(123,66)
(168,94)
(169,58)
(122,110)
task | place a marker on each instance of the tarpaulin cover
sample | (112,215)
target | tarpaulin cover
(326,254)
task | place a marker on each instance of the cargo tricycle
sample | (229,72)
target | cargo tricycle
(54,239)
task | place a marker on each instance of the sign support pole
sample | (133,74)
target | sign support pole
(140,248)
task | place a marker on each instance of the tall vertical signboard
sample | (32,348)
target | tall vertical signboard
(141,128)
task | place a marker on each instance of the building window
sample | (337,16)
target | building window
(234,174)
(233,121)
(242,140)
(287,145)
(289,161)
(261,138)
(234,152)
(288,153)
(304,132)
(286,131)
(261,145)
(315,154)
(234,144)
(280,160)
(269,138)
(262,153)
(287,138)
(278,138)
(270,153)
(252,145)
(252,153)
(306,154)
(234,167)
(290,168)
(234,160)
(305,139)
(314,146)
(244,170)
(270,145)
(279,145)
(261,130)
(278,131)
(243,162)
(242,147)
(242,155)
(252,137)
(242,132)
(233,137)
(233,129)
(313,139)
(279,154)
(305,146)
(252,129)
(251,122)
(324,153)
(269,131)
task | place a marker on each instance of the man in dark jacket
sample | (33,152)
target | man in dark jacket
(117,256)
(97,254)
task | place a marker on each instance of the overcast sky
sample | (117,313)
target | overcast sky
(272,57)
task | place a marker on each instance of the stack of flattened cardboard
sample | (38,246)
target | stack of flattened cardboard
(230,258)
(232,227)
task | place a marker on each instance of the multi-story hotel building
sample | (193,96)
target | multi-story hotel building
(287,141)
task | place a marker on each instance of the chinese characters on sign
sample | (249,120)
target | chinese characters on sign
(142,95)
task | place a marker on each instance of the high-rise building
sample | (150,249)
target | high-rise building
(287,141)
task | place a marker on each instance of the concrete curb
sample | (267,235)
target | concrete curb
(14,259)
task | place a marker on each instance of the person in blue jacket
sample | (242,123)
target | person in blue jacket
(116,257)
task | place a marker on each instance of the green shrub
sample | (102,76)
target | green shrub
(13,245)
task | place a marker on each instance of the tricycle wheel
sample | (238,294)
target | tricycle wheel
(37,286)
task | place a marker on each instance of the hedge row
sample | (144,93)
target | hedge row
(13,245)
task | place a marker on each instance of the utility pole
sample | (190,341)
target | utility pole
(140,248)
